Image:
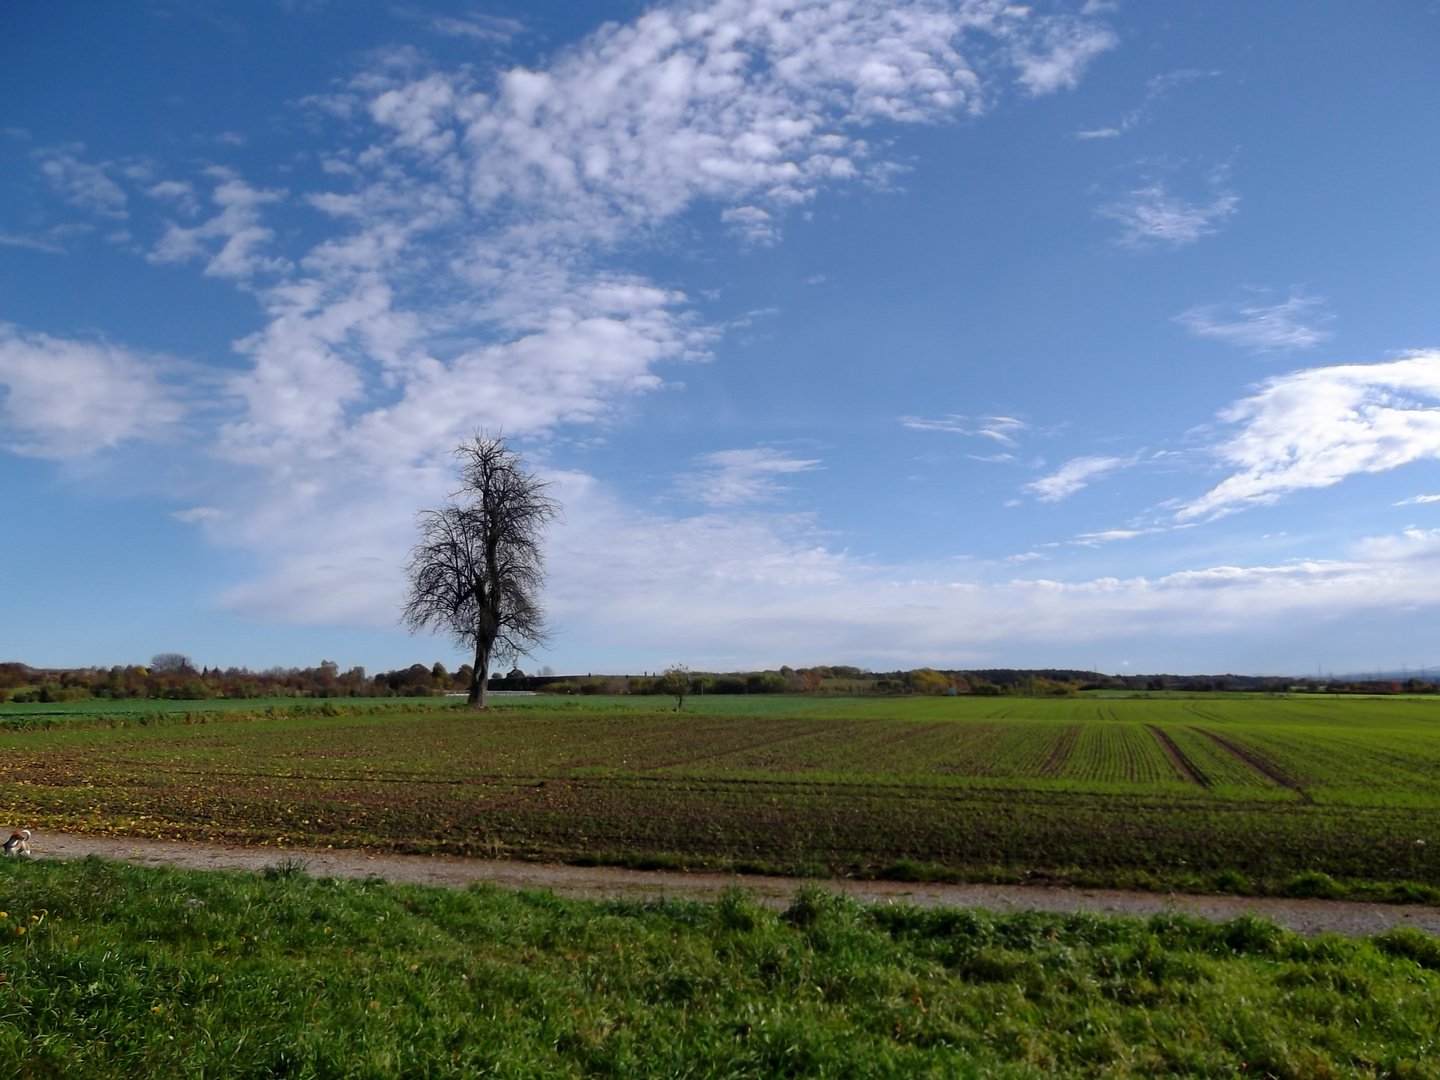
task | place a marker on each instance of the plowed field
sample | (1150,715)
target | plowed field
(1094,790)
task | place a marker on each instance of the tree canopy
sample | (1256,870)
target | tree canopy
(478,568)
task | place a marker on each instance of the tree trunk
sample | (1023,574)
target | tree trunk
(480,676)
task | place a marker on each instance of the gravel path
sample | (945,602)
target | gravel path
(1303,916)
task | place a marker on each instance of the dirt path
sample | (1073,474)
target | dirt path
(1303,916)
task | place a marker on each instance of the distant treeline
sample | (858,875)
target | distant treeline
(173,676)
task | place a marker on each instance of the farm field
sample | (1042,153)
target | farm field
(1205,793)
(117,971)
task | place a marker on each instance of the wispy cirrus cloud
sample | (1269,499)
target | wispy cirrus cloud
(1313,428)
(478,27)
(83,183)
(1001,429)
(201,514)
(41,242)
(1299,322)
(737,477)
(1075,474)
(1155,90)
(1155,216)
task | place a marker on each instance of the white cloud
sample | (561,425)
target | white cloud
(1156,88)
(1000,428)
(1313,428)
(237,229)
(1095,539)
(764,589)
(47,244)
(83,185)
(66,399)
(466,277)
(1074,475)
(767,590)
(736,477)
(201,513)
(180,192)
(1152,216)
(753,224)
(477,27)
(1296,323)
(1059,55)
(1415,499)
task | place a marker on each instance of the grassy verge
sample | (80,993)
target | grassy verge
(117,971)
(1306,885)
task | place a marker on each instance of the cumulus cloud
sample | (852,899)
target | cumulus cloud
(179,192)
(229,242)
(1057,57)
(1313,428)
(1075,474)
(753,224)
(65,399)
(1418,499)
(1297,323)
(735,477)
(1154,216)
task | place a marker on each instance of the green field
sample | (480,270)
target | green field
(110,971)
(1210,792)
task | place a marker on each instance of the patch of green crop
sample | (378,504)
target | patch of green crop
(111,971)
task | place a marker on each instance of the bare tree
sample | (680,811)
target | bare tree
(478,567)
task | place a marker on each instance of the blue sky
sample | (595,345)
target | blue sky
(1087,334)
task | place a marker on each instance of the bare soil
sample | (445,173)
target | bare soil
(601,882)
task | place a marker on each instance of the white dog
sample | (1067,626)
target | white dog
(19,843)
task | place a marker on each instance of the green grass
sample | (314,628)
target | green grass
(130,972)
(1233,793)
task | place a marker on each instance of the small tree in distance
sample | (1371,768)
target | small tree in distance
(477,569)
(676,681)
